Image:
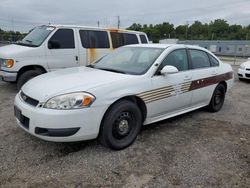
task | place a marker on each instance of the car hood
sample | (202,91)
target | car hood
(14,51)
(69,80)
(246,64)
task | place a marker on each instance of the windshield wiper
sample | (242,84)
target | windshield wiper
(26,44)
(91,66)
(30,41)
(112,70)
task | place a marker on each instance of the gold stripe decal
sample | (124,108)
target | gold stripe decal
(164,92)
(174,90)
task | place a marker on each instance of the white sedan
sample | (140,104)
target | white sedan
(111,99)
(244,70)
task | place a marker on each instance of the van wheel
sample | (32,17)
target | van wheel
(218,98)
(26,76)
(121,125)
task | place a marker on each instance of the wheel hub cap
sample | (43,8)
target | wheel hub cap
(123,127)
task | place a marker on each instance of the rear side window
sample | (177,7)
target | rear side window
(143,39)
(94,39)
(121,39)
(177,58)
(64,38)
(214,61)
(199,59)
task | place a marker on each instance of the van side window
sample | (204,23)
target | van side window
(94,39)
(177,58)
(199,59)
(63,39)
(130,39)
(214,61)
(143,39)
(121,39)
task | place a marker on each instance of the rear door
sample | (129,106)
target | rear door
(62,50)
(170,93)
(204,77)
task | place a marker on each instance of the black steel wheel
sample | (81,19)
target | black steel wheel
(121,125)
(218,98)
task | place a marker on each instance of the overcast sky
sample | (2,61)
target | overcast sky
(23,15)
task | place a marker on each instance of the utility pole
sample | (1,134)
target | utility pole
(246,46)
(98,23)
(118,22)
(12,23)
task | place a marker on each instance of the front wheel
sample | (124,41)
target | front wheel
(218,98)
(121,125)
(26,76)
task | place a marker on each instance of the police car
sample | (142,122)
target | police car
(112,98)
(244,70)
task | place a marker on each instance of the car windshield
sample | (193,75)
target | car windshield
(36,37)
(129,60)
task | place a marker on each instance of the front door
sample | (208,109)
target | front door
(170,93)
(62,50)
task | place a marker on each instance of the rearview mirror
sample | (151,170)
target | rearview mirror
(53,44)
(168,69)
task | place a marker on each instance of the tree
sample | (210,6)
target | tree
(135,27)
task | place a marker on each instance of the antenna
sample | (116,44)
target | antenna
(118,22)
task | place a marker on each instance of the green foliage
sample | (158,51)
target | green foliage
(11,35)
(218,29)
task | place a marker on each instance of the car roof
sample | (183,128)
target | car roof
(94,28)
(164,46)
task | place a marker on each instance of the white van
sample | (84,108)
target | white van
(51,47)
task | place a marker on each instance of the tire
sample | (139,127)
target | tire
(241,79)
(121,125)
(26,76)
(217,99)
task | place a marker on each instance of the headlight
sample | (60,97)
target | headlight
(242,67)
(70,101)
(8,63)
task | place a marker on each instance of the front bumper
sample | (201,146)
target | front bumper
(244,74)
(8,76)
(47,124)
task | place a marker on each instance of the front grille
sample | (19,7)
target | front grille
(248,75)
(24,121)
(248,69)
(29,100)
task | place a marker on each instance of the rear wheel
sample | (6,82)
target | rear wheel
(218,98)
(121,125)
(26,76)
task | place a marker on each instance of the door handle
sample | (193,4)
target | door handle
(76,58)
(214,73)
(186,78)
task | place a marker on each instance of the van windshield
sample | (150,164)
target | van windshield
(36,37)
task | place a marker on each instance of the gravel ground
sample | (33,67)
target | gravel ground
(198,149)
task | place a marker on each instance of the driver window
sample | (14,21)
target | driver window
(62,39)
(178,59)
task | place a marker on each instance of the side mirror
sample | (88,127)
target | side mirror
(53,44)
(168,69)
